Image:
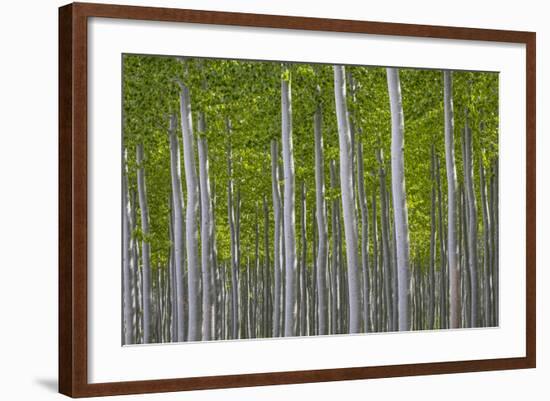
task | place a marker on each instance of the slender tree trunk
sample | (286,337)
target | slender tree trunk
(472,222)
(394,279)
(179,252)
(321,224)
(243,283)
(460,261)
(145,248)
(138,307)
(237,274)
(376,269)
(487,251)
(206,235)
(386,258)
(160,305)
(364,235)
(233,243)
(172,267)
(348,199)
(267,276)
(314,307)
(443,315)
(214,250)
(155,307)
(303,283)
(276,237)
(431,308)
(191,235)
(496,249)
(334,260)
(452,255)
(339,260)
(224,304)
(127,262)
(289,228)
(399,196)
(466,258)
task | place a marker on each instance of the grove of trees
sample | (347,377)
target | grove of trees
(269,199)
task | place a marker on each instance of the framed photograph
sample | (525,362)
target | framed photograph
(250,200)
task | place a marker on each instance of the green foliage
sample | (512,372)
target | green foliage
(248,94)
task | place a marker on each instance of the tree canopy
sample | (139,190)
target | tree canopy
(247,93)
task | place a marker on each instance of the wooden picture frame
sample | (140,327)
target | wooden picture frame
(73,199)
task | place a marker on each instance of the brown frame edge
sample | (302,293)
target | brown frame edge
(73,199)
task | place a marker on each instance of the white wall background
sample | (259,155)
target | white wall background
(28,199)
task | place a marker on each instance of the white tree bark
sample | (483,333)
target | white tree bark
(471,212)
(233,240)
(191,232)
(385,266)
(206,234)
(335,259)
(431,273)
(496,243)
(127,258)
(348,201)
(399,196)
(276,236)
(303,265)
(487,251)
(179,253)
(288,214)
(136,277)
(321,215)
(145,247)
(172,268)
(452,250)
(267,274)
(443,276)
(377,297)
(364,234)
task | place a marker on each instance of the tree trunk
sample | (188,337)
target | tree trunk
(334,289)
(289,228)
(313,326)
(431,304)
(496,249)
(237,274)
(276,237)
(179,252)
(145,248)
(137,286)
(206,235)
(472,223)
(172,281)
(224,303)
(348,199)
(127,262)
(487,251)
(386,257)
(465,258)
(376,269)
(267,274)
(321,224)
(443,315)
(214,249)
(452,255)
(191,235)
(232,234)
(399,197)
(394,278)
(303,272)
(364,235)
